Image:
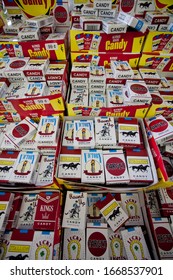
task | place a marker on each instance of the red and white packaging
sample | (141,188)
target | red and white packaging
(14,212)
(168,163)
(128,132)
(27,211)
(47,132)
(90,23)
(128,8)
(36,67)
(116,245)
(29,34)
(75,210)
(69,166)
(5,241)
(42,245)
(152,203)
(112,211)
(115,167)
(21,132)
(135,245)
(121,69)
(160,128)
(15,69)
(138,164)
(97,242)
(164,237)
(137,23)
(102,4)
(131,204)
(80,72)
(6,200)
(74,244)
(138,92)
(47,211)
(150,76)
(156,17)
(7,161)
(39,21)
(55,73)
(20,245)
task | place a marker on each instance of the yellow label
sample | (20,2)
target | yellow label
(171,67)
(19,248)
(3,207)
(67,159)
(138,161)
(128,127)
(110,208)
(6,162)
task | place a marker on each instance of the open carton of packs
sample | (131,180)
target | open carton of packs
(71,165)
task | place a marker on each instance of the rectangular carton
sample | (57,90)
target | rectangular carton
(74,244)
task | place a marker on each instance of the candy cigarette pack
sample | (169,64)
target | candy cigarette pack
(27,211)
(93,213)
(45,170)
(47,211)
(21,132)
(116,245)
(115,167)
(69,166)
(92,166)
(75,210)
(40,21)
(121,69)
(74,244)
(105,135)
(131,205)
(20,245)
(48,130)
(68,134)
(84,134)
(135,244)
(112,211)
(164,237)
(128,132)
(7,161)
(14,212)
(6,200)
(25,168)
(42,245)
(97,241)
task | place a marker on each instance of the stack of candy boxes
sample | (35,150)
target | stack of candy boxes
(101,49)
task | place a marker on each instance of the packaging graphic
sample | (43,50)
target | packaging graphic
(68,135)
(74,244)
(115,167)
(20,245)
(69,166)
(47,211)
(131,204)
(75,210)
(7,161)
(27,211)
(47,130)
(112,211)
(21,132)
(116,246)
(93,213)
(45,170)
(128,132)
(164,237)
(42,245)
(92,166)
(25,168)
(105,134)
(139,167)
(135,244)
(97,242)
(6,200)
(84,134)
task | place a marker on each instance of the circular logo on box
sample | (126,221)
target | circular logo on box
(60,14)
(127,5)
(164,238)
(115,166)
(20,130)
(158,125)
(139,89)
(97,244)
(169,168)
(17,64)
(156,99)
